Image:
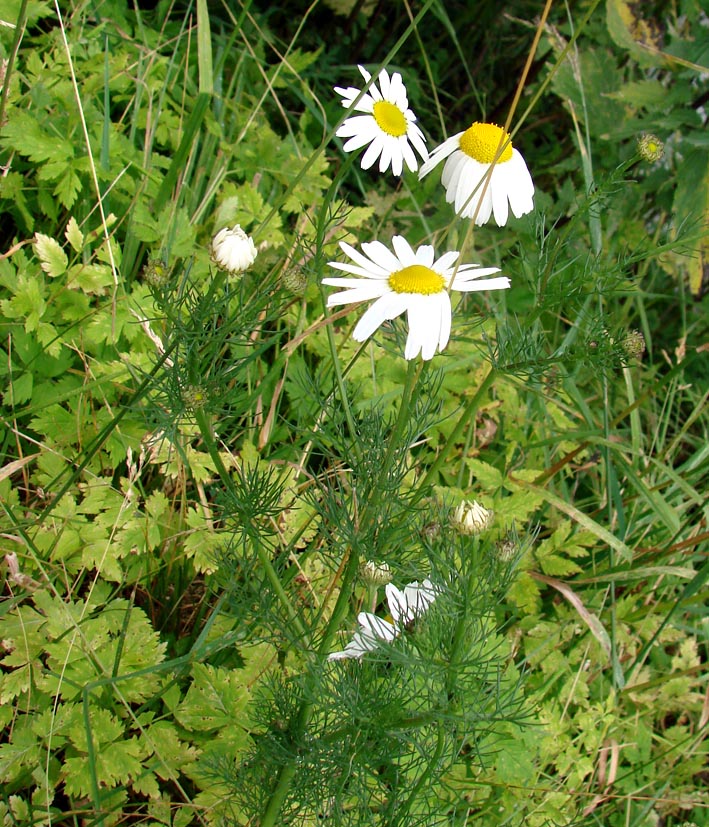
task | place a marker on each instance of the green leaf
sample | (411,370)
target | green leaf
(51,255)
(91,278)
(74,235)
(487,477)
(23,134)
(27,303)
(217,698)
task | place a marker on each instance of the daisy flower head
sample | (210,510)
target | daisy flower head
(474,190)
(411,281)
(405,605)
(232,250)
(386,125)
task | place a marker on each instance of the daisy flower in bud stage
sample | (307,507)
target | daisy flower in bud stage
(404,607)
(411,281)
(232,250)
(386,124)
(469,156)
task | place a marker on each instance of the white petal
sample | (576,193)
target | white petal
(372,153)
(445,262)
(358,125)
(439,153)
(357,257)
(382,256)
(500,283)
(446,317)
(404,251)
(397,92)
(376,626)
(355,295)
(498,191)
(346,267)
(388,307)
(408,154)
(385,160)
(418,140)
(425,255)
(424,325)
(384,84)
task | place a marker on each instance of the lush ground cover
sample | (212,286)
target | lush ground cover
(213,481)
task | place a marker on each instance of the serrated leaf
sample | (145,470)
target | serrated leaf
(91,278)
(27,303)
(74,235)
(51,254)
(67,188)
(25,136)
(216,699)
(487,477)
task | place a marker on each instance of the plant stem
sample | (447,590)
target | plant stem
(207,432)
(287,773)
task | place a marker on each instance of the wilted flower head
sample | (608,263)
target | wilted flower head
(404,607)
(387,124)
(472,518)
(474,191)
(233,250)
(650,147)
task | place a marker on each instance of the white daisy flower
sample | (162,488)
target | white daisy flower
(411,281)
(404,607)
(233,250)
(387,125)
(470,155)
(372,630)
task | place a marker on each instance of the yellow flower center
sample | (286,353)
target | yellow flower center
(417,279)
(389,118)
(482,141)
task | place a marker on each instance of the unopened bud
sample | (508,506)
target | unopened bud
(472,518)
(155,273)
(233,250)
(634,344)
(375,574)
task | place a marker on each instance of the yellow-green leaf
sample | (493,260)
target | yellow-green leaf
(74,235)
(51,255)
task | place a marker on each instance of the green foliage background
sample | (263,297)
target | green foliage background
(189,462)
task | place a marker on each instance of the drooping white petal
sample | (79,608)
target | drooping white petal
(384,309)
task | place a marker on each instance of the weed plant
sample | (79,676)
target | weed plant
(270,558)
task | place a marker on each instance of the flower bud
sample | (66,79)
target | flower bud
(233,250)
(650,147)
(375,574)
(156,273)
(634,344)
(506,550)
(472,518)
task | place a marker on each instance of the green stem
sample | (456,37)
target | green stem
(287,773)
(207,432)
